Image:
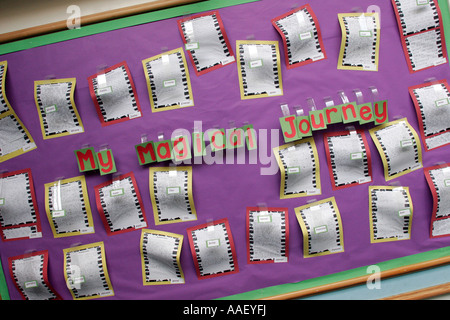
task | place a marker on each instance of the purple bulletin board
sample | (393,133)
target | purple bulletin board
(220,190)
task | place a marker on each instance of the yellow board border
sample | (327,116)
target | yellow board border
(86,202)
(283,173)
(86,246)
(72,101)
(188,79)
(372,240)
(168,234)
(344,38)
(382,154)
(305,231)
(152,170)
(238,57)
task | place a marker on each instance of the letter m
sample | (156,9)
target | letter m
(87,159)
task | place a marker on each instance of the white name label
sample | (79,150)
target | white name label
(169,83)
(58,213)
(31,284)
(173,190)
(305,35)
(406,143)
(365,33)
(256,63)
(105,90)
(441,102)
(356,155)
(117,192)
(212,243)
(50,109)
(320,229)
(404,212)
(294,170)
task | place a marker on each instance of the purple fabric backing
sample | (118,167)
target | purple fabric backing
(220,190)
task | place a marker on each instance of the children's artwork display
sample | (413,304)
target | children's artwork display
(30,274)
(120,205)
(399,147)
(168,82)
(56,107)
(391,213)
(301,36)
(86,272)
(68,208)
(321,226)
(349,160)
(360,41)
(432,104)
(267,235)
(222,196)
(438,178)
(171,194)
(19,212)
(259,69)
(113,93)
(212,249)
(161,257)
(299,168)
(206,41)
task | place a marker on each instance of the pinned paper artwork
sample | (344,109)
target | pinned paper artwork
(421,32)
(302,38)
(267,235)
(68,208)
(19,212)
(321,226)
(86,272)
(171,194)
(15,139)
(168,81)
(55,103)
(30,274)
(360,43)
(212,249)
(114,95)
(391,213)
(259,69)
(120,205)
(399,147)
(438,179)
(206,41)
(299,168)
(432,104)
(160,257)
(348,157)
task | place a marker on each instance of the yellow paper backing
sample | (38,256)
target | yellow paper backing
(105,269)
(305,231)
(86,203)
(280,165)
(241,86)
(188,79)
(152,194)
(383,155)
(72,101)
